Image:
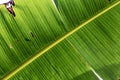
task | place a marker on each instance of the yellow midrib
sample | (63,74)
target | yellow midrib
(56,42)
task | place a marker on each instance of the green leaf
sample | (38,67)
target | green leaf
(63,40)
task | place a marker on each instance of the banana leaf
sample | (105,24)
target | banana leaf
(60,40)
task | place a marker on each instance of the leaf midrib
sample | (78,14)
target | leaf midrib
(30,60)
